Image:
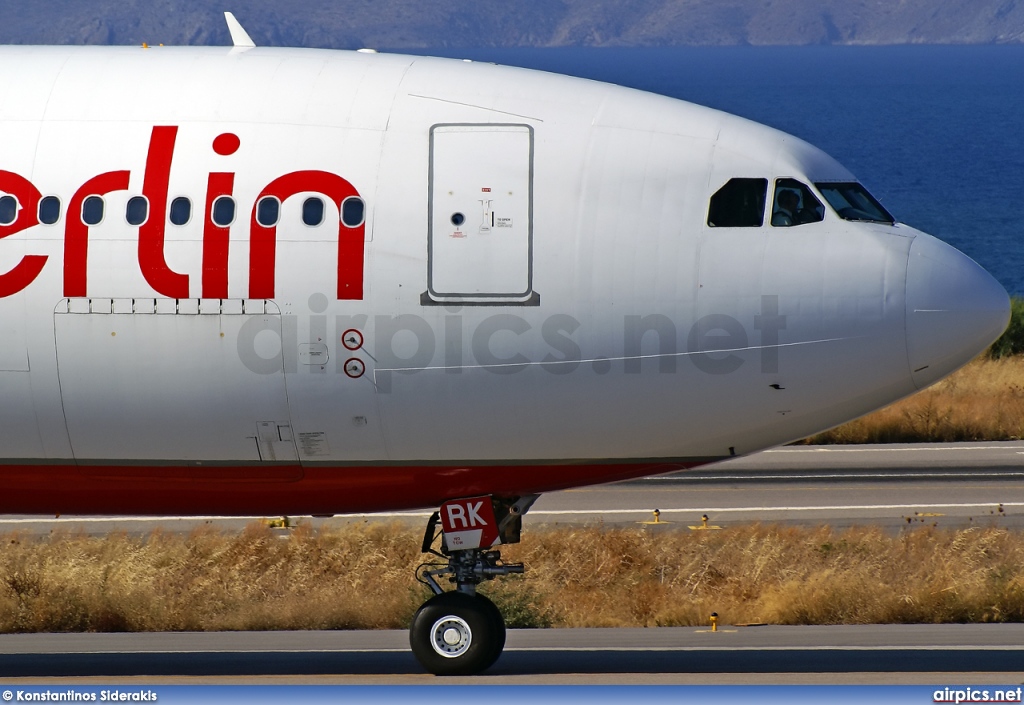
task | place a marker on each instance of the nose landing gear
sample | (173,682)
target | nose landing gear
(460,632)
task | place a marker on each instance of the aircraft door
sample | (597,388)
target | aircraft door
(480,223)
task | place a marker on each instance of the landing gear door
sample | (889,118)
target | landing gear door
(480,228)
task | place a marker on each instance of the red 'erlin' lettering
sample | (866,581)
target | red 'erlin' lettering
(263,245)
(25,272)
(151,233)
(216,240)
(76,232)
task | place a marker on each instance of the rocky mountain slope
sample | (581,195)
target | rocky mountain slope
(400,24)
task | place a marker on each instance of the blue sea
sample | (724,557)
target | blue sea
(935,132)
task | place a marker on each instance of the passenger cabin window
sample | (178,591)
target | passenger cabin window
(92,210)
(49,210)
(268,211)
(313,211)
(851,201)
(352,212)
(8,210)
(181,210)
(795,204)
(223,211)
(137,210)
(739,204)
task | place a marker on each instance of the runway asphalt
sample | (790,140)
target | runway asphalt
(939,654)
(952,485)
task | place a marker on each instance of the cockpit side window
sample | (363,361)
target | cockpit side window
(795,204)
(851,201)
(739,204)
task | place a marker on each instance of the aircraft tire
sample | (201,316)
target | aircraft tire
(455,634)
(499,625)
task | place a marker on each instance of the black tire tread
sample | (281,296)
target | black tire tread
(483,618)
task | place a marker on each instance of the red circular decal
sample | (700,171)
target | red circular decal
(354,367)
(352,339)
(226,144)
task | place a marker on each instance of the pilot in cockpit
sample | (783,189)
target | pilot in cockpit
(787,203)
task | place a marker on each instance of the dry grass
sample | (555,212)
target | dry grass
(633,577)
(984,401)
(361,577)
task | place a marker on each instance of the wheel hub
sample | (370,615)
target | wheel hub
(451,636)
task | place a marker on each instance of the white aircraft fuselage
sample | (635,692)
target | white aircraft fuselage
(289,281)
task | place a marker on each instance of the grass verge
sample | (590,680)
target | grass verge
(360,577)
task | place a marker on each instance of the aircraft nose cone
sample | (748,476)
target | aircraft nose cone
(955,309)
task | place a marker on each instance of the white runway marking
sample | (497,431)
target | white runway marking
(915,449)
(909,475)
(156,520)
(815,508)
(745,647)
(583,649)
(151,520)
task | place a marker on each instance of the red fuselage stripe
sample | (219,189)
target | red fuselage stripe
(275,490)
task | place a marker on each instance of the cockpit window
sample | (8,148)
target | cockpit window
(795,204)
(851,201)
(739,204)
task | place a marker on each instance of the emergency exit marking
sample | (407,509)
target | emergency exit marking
(486,190)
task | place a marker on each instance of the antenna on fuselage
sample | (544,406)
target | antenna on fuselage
(239,37)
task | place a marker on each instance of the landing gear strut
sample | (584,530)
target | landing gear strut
(460,632)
